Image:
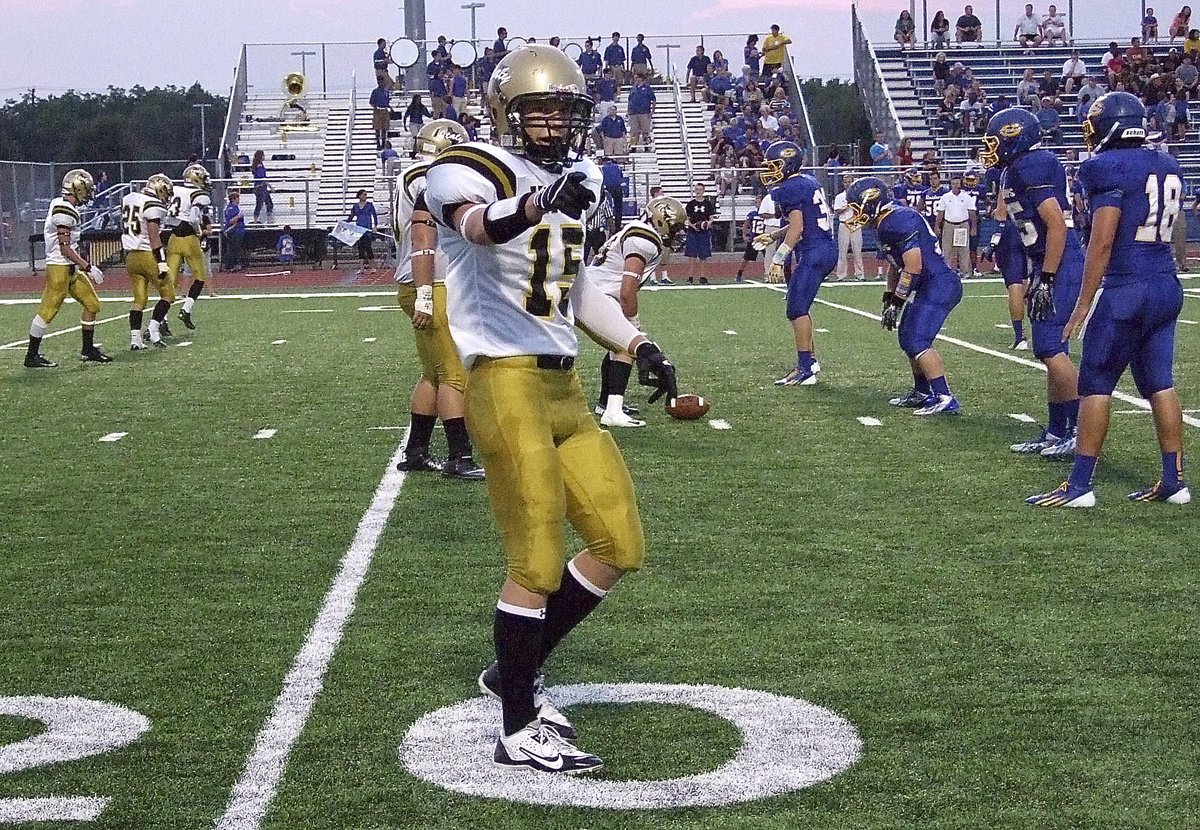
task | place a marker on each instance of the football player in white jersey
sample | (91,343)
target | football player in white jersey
(67,272)
(188,218)
(622,264)
(513,220)
(142,215)
(421,274)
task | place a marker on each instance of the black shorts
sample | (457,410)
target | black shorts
(750,254)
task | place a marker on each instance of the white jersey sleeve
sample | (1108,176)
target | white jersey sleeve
(61,214)
(137,211)
(410,191)
(637,239)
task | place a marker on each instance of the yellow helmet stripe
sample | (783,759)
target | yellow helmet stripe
(503,179)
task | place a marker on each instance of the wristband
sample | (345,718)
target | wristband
(888,296)
(505,220)
(422,252)
(633,274)
(1048,277)
(781,254)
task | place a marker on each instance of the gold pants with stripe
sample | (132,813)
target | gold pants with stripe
(64,280)
(181,249)
(143,273)
(440,363)
(547,460)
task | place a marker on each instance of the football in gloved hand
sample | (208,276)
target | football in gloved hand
(687,407)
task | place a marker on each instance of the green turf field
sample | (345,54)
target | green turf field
(1004,667)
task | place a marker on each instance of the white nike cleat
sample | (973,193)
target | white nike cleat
(1021,345)
(539,747)
(619,419)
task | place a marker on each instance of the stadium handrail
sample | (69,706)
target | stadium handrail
(683,132)
(237,104)
(869,77)
(793,81)
(350,116)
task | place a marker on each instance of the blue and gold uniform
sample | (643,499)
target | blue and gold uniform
(815,255)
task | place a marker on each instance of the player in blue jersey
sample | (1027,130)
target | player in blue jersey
(930,196)
(919,272)
(800,200)
(1033,184)
(1009,255)
(1131,296)
(910,189)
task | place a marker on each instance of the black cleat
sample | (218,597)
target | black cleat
(186,317)
(165,330)
(137,347)
(39,361)
(419,464)
(548,713)
(463,468)
(94,355)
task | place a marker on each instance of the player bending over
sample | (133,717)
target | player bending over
(1131,296)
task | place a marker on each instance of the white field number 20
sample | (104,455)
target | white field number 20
(75,728)
(1161,218)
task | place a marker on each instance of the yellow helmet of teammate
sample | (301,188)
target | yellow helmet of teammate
(540,106)
(161,186)
(80,184)
(438,135)
(668,218)
(196,176)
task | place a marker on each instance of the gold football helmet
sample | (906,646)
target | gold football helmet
(540,106)
(161,186)
(196,176)
(80,184)
(668,218)
(436,136)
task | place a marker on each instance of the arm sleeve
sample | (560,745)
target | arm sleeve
(600,315)
(638,243)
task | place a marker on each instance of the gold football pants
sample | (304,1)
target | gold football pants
(142,268)
(440,363)
(547,460)
(64,280)
(182,249)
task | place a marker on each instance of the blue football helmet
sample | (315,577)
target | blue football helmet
(1113,117)
(784,159)
(912,176)
(1009,133)
(864,199)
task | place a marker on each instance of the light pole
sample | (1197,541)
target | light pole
(303,64)
(668,47)
(472,7)
(203,134)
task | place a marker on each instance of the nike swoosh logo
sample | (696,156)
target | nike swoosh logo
(549,763)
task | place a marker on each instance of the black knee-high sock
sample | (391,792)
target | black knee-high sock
(35,346)
(89,337)
(566,608)
(160,310)
(458,442)
(618,377)
(517,633)
(419,434)
(196,289)
(135,319)
(604,364)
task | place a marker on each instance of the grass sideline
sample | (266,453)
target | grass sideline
(1005,667)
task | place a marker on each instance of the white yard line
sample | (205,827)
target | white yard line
(1022,417)
(308,295)
(265,433)
(278,342)
(370,339)
(868,421)
(720,423)
(113,437)
(260,778)
(308,311)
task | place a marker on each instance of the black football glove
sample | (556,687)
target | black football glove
(654,369)
(566,194)
(891,310)
(1040,301)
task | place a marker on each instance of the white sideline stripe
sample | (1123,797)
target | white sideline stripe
(729,331)
(278,342)
(184,343)
(720,423)
(256,787)
(868,421)
(1143,411)
(821,331)
(309,311)
(1189,322)
(21,810)
(380,308)
(112,437)
(265,433)
(1141,403)
(269,274)
(1022,417)
(386,428)
(308,295)
(48,335)
(370,339)
(1003,325)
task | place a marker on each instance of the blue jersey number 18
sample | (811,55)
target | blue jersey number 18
(1161,218)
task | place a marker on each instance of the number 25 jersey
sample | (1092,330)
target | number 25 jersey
(1147,186)
(509,299)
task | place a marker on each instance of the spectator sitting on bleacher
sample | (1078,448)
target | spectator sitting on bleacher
(1054,27)
(1180,102)
(727,176)
(614,58)
(697,72)
(971,113)
(741,85)
(387,155)
(947,114)
(1074,70)
(1115,67)
(906,29)
(959,78)
(606,90)
(1049,86)
(1137,55)
(1088,93)
(640,58)
(1181,24)
(613,133)
(788,129)
(751,55)
(640,109)
(1191,46)
(1050,120)
(720,85)
(939,30)
(719,61)
(941,72)
(767,122)
(1186,77)
(1149,26)
(969,28)
(1028,31)
(780,105)
(589,61)
(470,124)
(882,157)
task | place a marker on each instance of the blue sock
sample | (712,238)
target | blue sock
(1058,419)
(1082,472)
(1018,330)
(1172,471)
(920,383)
(939,386)
(1072,413)
(804,361)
